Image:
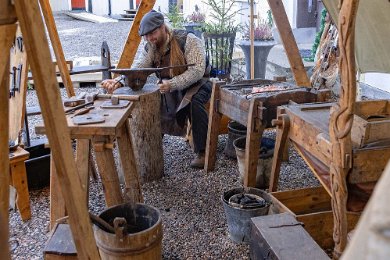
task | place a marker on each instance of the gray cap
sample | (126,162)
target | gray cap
(151,21)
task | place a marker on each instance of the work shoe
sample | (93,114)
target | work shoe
(198,162)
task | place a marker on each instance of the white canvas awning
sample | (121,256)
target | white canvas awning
(372,42)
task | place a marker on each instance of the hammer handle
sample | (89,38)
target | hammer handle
(121,97)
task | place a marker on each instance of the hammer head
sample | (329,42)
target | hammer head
(91,97)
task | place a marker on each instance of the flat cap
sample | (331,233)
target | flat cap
(151,21)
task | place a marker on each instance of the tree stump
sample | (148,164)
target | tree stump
(145,131)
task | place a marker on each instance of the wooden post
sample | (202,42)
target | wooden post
(254,131)
(57,47)
(7,34)
(283,126)
(146,133)
(133,192)
(340,125)
(213,129)
(252,38)
(38,53)
(289,43)
(133,39)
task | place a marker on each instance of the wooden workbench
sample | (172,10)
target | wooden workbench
(254,111)
(102,136)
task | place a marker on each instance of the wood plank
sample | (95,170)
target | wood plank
(57,202)
(106,167)
(7,34)
(38,53)
(133,39)
(110,127)
(289,43)
(7,13)
(372,107)
(304,201)
(283,126)
(19,181)
(364,169)
(320,226)
(133,191)
(213,128)
(82,162)
(17,103)
(254,131)
(57,47)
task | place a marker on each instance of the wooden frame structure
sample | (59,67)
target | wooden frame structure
(255,114)
(329,137)
(29,15)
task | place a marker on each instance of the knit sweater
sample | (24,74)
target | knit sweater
(194,53)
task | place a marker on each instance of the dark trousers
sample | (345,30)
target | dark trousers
(199,118)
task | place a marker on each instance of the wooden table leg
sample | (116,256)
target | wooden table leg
(19,181)
(283,126)
(133,192)
(106,167)
(213,129)
(82,163)
(57,202)
(254,132)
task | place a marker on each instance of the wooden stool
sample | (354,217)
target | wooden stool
(19,181)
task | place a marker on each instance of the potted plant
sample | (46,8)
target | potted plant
(263,43)
(175,17)
(195,22)
(219,36)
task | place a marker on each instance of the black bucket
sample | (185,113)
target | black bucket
(264,163)
(38,167)
(238,215)
(235,130)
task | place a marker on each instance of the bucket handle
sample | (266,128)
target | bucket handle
(120,227)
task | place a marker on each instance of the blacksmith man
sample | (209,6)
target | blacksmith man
(186,89)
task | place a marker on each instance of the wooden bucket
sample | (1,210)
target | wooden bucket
(141,239)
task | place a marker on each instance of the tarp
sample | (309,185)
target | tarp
(372,39)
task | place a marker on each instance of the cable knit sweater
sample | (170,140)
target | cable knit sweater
(194,53)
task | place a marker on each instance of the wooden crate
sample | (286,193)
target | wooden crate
(312,207)
(371,122)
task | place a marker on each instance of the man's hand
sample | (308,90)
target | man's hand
(164,87)
(110,85)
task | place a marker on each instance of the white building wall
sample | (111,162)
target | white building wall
(162,5)
(118,6)
(378,80)
(100,7)
(60,5)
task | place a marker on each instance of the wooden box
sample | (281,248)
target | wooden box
(281,236)
(371,122)
(312,207)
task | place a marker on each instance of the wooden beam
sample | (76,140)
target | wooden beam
(133,39)
(38,53)
(17,104)
(340,125)
(289,43)
(57,47)
(7,34)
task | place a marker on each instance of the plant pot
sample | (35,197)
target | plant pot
(238,216)
(264,163)
(235,130)
(195,28)
(262,49)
